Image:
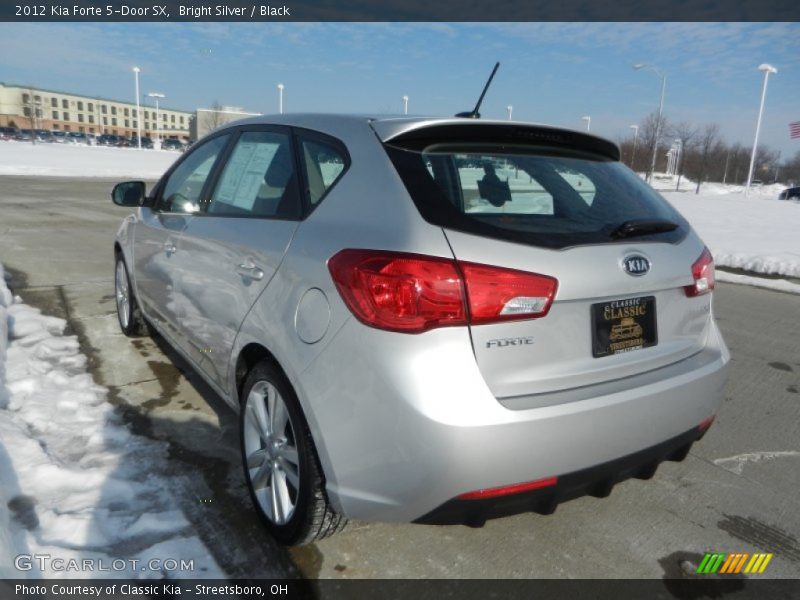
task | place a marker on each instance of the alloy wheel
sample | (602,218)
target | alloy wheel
(271,456)
(122,294)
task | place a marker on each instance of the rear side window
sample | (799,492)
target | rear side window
(324,164)
(533,195)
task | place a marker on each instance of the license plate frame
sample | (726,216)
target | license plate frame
(623,325)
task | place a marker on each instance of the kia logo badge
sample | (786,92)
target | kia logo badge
(636,265)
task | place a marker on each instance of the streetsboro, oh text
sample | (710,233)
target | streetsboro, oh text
(151,590)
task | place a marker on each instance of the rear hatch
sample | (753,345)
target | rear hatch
(560,204)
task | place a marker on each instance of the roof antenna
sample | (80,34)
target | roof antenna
(474,114)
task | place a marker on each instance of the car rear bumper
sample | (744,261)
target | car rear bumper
(406,424)
(597,481)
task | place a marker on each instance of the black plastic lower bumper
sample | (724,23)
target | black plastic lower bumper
(595,481)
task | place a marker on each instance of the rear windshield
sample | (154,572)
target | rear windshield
(533,195)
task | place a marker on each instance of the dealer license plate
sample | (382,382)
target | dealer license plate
(623,325)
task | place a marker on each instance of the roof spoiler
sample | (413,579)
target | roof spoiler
(454,132)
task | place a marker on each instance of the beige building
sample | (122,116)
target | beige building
(35,108)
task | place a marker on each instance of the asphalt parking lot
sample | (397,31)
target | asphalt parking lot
(736,492)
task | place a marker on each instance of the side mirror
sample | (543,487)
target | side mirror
(129,193)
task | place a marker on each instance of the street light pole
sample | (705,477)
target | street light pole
(280,98)
(136,71)
(510,109)
(766,69)
(32,110)
(405,105)
(633,154)
(157,96)
(588,123)
(679,163)
(661,74)
(725,174)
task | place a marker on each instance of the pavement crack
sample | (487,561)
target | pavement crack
(124,385)
(63,297)
(50,286)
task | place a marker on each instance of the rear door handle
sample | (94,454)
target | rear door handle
(249,270)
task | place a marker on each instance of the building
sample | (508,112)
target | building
(208,119)
(27,107)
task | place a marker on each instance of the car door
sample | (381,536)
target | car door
(237,241)
(156,258)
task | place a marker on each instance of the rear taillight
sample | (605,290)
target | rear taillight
(496,294)
(399,292)
(703,274)
(413,293)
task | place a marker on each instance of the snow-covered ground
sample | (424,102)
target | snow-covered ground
(66,160)
(757,233)
(75,483)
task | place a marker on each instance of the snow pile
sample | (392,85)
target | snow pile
(74,482)
(6,300)
(6,557)
(669,183)
(754,233)
(66,160)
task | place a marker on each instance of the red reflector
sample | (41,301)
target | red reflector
(703,273)
(507,490)
(706,423)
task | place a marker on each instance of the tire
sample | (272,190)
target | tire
(280,463)
(130,318)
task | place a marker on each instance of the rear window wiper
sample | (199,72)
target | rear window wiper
(638,227)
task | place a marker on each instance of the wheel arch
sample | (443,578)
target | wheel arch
(251,354)
(120,251)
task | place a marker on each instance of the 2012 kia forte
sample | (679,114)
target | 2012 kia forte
(429,320)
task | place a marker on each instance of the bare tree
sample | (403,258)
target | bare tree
(791,169)
(647,134)
(738,163)
(214,117)
(709,145)
(32,108)
(767,161)
(684,132)
(626,151)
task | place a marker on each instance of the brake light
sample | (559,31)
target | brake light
(413,293)
(399,292)
(703,273)
(507,490)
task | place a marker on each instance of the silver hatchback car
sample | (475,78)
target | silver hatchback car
(429,320)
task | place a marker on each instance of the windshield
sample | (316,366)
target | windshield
(533,195)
